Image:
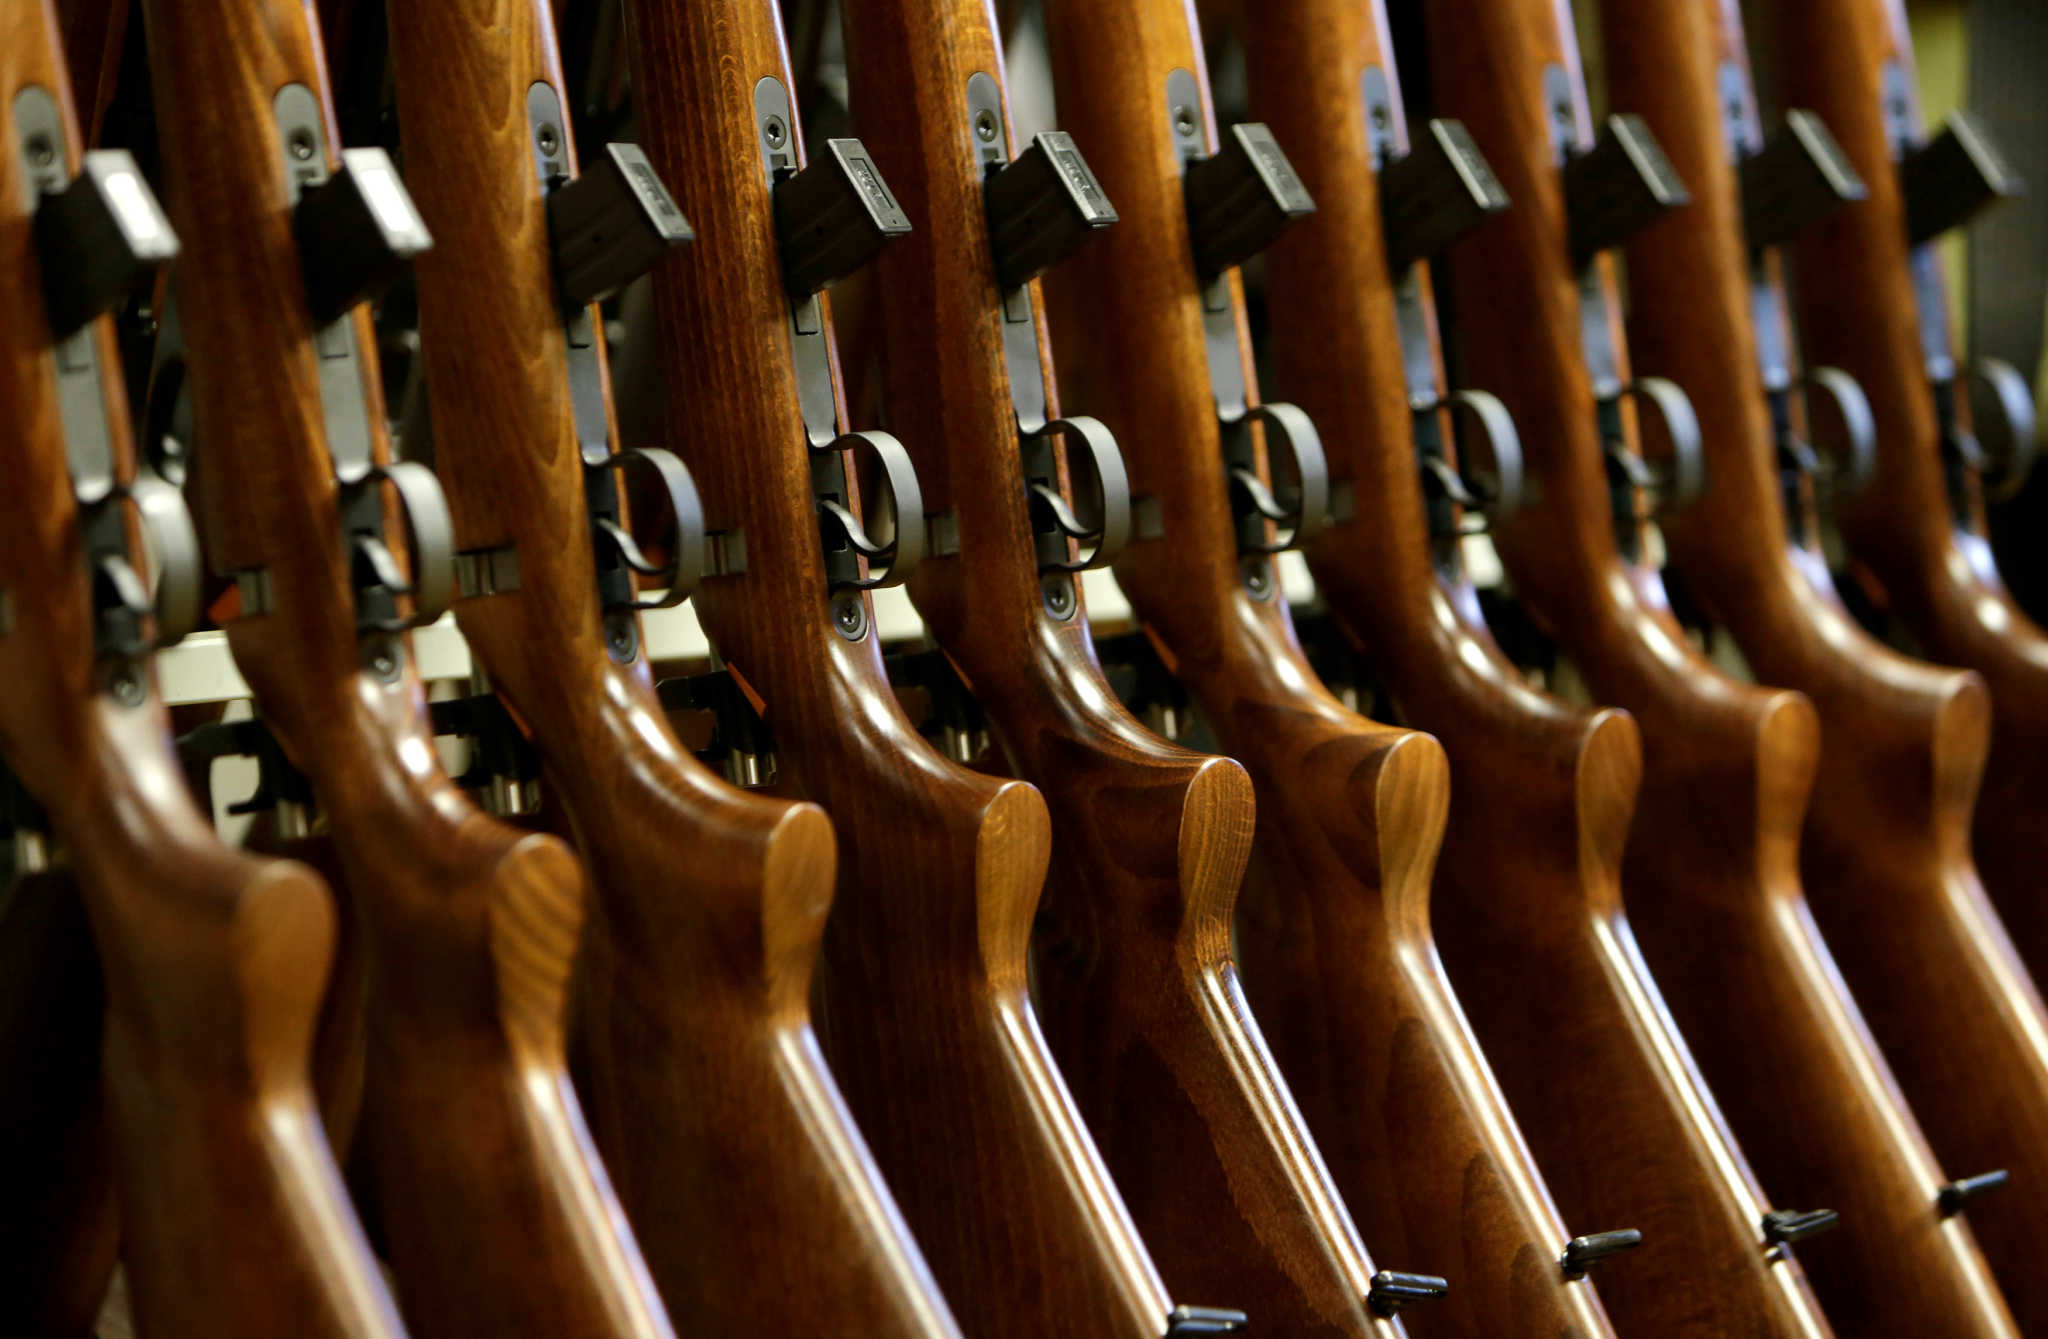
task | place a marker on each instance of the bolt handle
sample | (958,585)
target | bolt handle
(1582,1253)
(1956,1195)
(1390,1292)
(1784,1226)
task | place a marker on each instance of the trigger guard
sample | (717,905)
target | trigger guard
(432,532)
(1682,426)
(1112,489)
(1289,426)
(905,496)
(687,566)
(1505,442)
(1857,421)
(174,557)
(2006,394)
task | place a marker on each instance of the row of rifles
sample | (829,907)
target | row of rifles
(1663,970)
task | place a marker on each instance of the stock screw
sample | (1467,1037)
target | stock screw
(850,616)
(549,138)
(383,665)
(985,124)
(1258,578)
(127,687)
(774,132)
(1379,118)
(41,152)
(1059,596)
(1184,118)
(301,145)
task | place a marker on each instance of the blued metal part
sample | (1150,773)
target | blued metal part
(1962,456)
(629,188)
(1390,1292)
(1303,508)
(356,231)
(1582,1253)
(1617,186)
(302,146)
(832,216)
(1956,1195)
(132,229)
(1783,1226)
(845,541)
(1240,198)
(95,234)
(1628,185)
(1040,206)
(609,225)
(1054,520)
(1950,179)
(1433,202)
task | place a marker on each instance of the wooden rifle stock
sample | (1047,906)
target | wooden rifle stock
(1527,897)
(233,1218)
(927,1018)
(1334,926)
(496,1209)
(1886,854)
(1727,767)
(1876,307)
(711,902)
(1137,986)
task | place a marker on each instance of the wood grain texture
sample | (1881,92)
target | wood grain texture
(1334,923)
(1856,311)
(711,903)
(926,1016)
(1947,998)
(1727,768)
(1136,982)
(233,1218)
(1528,909)
(496,1209)
(1958,1014)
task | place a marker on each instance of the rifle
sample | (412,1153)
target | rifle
(1136,984)
(927,1019)
(1528,886)
(710,902)
(1946,997)
(1333,925)
(1947,442)
(497,1213)
(1727,767)
(232,1214)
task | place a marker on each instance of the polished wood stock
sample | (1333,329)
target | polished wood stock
(1334,926)
(1136,982)
(1727,767)
(498,1214)
(710,902)
(1886,853)
(1527,903)
(233,1218)
(927,1019)
(1857,311)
